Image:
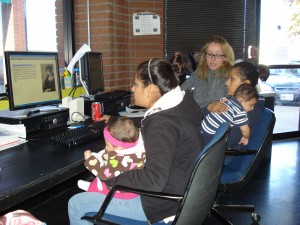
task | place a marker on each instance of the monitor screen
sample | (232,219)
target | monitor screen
(32,79)
(92,72)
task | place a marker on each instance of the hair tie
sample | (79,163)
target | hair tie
(149,71)
(115,141)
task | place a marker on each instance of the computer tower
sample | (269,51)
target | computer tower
(110,107)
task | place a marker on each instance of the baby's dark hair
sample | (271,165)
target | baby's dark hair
(123,129)
(177,57)
(246,92)
(263,72)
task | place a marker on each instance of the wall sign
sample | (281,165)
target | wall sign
(146,23)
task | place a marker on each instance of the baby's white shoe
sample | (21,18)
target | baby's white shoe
(84,185)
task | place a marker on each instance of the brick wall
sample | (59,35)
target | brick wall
(111,33)
(14,23)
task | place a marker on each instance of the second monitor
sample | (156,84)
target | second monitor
(32,79)
(91,72)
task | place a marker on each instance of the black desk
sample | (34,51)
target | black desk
(36,166)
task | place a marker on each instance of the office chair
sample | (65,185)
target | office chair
(200,193)
(243,165)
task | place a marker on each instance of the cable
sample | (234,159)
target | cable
(77,121)
(72,90)
(75,89)
(34,139)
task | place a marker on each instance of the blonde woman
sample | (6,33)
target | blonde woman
(208,80)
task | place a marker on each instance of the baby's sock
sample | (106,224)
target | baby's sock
(84,185)
(99,184)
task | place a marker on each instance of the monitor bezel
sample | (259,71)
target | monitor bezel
(10,88)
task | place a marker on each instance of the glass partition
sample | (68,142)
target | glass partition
(280,50)
(285,82)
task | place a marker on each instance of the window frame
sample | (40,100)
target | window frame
(67,53)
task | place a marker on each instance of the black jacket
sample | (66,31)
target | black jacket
(172,141)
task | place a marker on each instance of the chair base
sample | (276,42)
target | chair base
(239,208)
(236,208)
(219,216)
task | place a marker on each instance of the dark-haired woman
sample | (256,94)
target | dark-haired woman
(180,67)
(170,130)
(241,73)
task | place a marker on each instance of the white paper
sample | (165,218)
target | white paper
(85,48)
(15,129)
(133,112)
(11,135)
(146,23)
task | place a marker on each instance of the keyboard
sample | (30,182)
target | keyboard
(113,95)
(77,136)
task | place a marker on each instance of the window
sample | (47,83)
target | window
(280,49)
(33,25)
(279,41)
(41,33)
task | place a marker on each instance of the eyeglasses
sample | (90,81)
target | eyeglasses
(217,56)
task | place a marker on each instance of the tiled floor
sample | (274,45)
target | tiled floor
(274,190)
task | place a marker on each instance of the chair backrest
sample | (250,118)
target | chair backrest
(240,170)
(192,60)
(203,184)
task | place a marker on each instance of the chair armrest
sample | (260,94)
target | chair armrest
(240,152)
(97,218)
(147,193)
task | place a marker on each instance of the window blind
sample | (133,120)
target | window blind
(190,23)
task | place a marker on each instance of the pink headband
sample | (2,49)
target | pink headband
(116,142)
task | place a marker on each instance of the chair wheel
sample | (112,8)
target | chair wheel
(255,217)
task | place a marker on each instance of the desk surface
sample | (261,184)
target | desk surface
(267,94)
(33,167)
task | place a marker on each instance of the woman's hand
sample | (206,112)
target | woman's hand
(217,107)
(105,118)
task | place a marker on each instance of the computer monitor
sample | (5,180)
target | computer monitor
(91,72)
(32,79)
